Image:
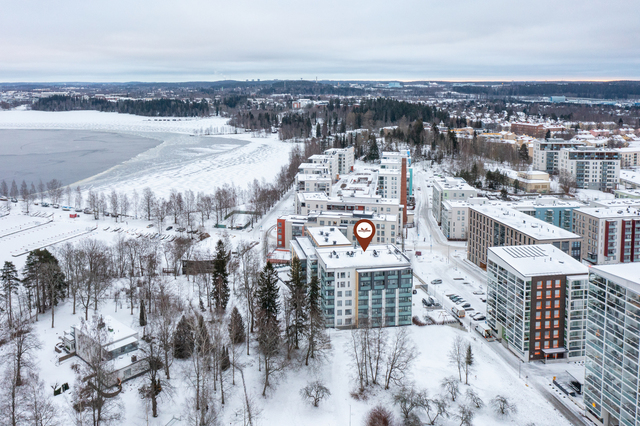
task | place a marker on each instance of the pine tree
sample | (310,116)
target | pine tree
(316,326)
(4,189)
(268,293)
(374,152)
(236,327)
(297,303)
(10,283)
(183,339)
(220,278)
(143,314)
(468,363)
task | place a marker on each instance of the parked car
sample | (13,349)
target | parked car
(78,210)
(45,204)
(180,229)
(55,206)
(465,305)
(479,317)
(14,200)
(169,228)
(150,225)
(436,281)
(478,292)
(426,303)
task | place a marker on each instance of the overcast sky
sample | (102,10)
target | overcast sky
(186,40)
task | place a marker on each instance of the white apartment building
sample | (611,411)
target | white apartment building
(345,157)
(313,183)
(593,168)
(455,217)
(389,183)
(397,156)
(365,287)
(309,202)
(545,153)
(609,235)
(536,301)
(291,226)
(330,161)
(449,188)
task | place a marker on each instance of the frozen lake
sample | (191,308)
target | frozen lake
(80,155)
(66,155)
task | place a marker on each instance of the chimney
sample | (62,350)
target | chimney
(403,190)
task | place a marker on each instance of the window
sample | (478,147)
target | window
(339,302)
(538,315)
(347,311)
(546,324)
(339,294)
(537,346)
(538,305)
(539,285)
(557,283)
(557,293)
(547,334)
(555,334)
(347,303)
(347,293)
(537,334)
(539,294)
(347,321)
(339,321)
(556,313)
(548,283)
(547,304)
(339,312)
(537,325)
(547,314)
(555,343)
(548,294)
(546,344)
(556,303)
(556,323)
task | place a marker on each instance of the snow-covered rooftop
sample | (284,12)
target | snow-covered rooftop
(625,274)
(324,236)
(539,259)
(612,213)
(534,228)
(376,256)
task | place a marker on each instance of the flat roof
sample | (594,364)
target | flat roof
(538,259)
(386,256)
(528,225)
(117,330)
(327,236)
(625,274)
(612,212)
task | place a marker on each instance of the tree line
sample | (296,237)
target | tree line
(148,108)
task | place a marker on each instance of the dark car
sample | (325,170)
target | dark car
(426,302)
(169,228)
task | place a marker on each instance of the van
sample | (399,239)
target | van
(484,330)
(458,311)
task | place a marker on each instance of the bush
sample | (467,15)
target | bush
(379,416)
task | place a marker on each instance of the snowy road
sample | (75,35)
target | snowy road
(446,260)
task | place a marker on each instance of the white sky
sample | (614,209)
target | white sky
(159,40)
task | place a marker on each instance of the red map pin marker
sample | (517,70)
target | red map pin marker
(364,231)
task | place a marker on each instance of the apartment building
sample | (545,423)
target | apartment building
(291,226)
(534,181)
(609,235)
(307,203)
(612,371)
(545,153)
(449,188)
(345,158)
(455,217)
(365,287)
(328,161)
(497,226)
(313,183)
(536,301)
(593,168)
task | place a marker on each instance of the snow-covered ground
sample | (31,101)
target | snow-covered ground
(176,164)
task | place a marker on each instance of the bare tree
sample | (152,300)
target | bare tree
(409,399)
(164,323)
(503,405)
(400,355)
(148,201)
(41,410)
(436,408)
(315,392)
(78,200)
(465,414)
(456,355)
(474,398)
(451,387)
(567,182)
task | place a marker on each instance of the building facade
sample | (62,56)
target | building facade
(495,226)
(536,298)
(609,235)
(365,287)
(592,168)
(612,372)
(545,153)
(449,188)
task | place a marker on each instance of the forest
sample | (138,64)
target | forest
(147,108)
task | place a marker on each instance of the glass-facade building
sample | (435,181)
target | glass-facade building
(612,375)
